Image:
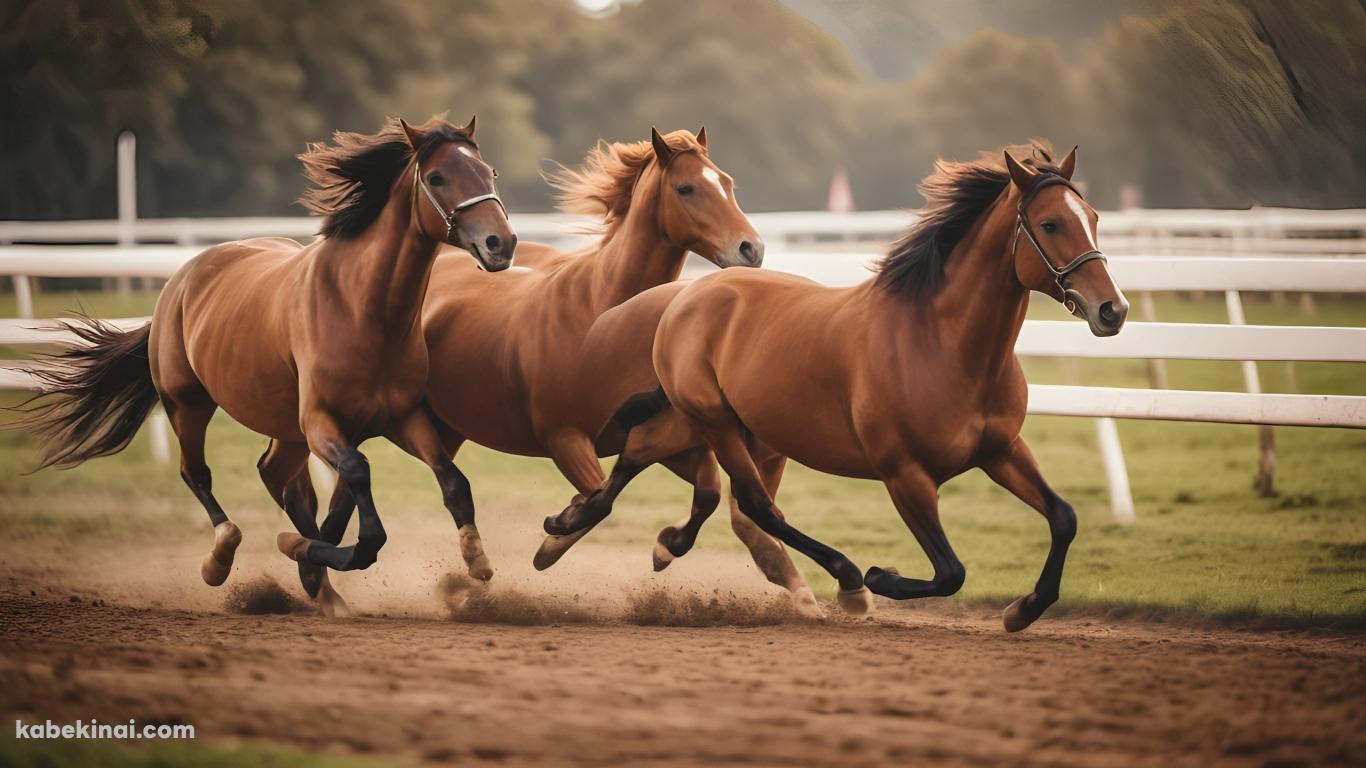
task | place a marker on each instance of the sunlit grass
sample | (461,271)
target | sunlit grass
(1204,542)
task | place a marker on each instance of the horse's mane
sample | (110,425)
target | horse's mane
(603,186)
(352,176)
(956,195)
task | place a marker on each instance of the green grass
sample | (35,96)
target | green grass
(58,753)
(1204,544)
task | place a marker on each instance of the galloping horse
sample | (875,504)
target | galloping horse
(909,378)
(318,347)
(505,370)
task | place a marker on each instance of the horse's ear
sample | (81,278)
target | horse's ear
(414,136)
(468,130)
(702,136)
(1022,176)
(662,150)
(1068,164)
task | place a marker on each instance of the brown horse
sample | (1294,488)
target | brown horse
(505,351)
(909,378)
(318,347)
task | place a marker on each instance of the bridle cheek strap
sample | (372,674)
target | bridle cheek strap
(448,218)
(1022,225)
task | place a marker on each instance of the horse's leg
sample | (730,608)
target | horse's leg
(284,471)
(327,441)
(916,497)
(726,435)
(665,434)
(768,553)
(1016,471)
(417,435)
(697,466)
(189,414)
(577,459)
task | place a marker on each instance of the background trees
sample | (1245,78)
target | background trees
(1212,103)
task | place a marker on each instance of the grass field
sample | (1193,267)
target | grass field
(1204,544)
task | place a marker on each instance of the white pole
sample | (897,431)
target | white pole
(1116,473)
(23,296)
(161,444)
(1266,439)
(126,163)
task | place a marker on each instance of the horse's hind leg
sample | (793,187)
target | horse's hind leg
(697,466)
(189,414)
(1016,471)
(768,553)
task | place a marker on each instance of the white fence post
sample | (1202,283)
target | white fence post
(1116,472)
(126,161)
(23,296)
(1266,439)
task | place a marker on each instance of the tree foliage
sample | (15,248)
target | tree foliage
(1207,103)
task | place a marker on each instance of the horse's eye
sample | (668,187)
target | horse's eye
(1049,227)
(684,189)
(436,180)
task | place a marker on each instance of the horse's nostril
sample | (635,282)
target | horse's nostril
(1108,313)
(493,243)
(747,250)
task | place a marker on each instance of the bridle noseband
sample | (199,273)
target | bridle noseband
(1022,225)
(449,218)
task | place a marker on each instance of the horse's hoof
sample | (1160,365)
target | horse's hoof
(1019,615)
(330,603)
(855,602)
(472,550)
(805,603)
(662,556)
(216,566)
(293,546)
(553,548)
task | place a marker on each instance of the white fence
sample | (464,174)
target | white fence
(1225,251)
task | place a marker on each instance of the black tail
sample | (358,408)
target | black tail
(94,396)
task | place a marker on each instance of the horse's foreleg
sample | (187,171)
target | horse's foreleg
(189,419)
(916,497)
(576,458)
(284,471)
(417,435)
(1017,472)
(328,442)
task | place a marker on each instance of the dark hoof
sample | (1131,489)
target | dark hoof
(1021,613)
(666,551)
(553,548)
(311,577)
(882,581)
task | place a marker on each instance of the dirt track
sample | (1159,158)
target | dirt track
(903,686)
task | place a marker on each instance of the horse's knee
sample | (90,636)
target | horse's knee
(1062,522)
(197,477)
(354,470)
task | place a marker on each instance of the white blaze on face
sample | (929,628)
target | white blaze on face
(712,176)
(467,151)
(1075,206)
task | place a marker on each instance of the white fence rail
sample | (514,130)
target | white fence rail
(1225,251)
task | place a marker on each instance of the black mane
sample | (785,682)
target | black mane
(956,195)
(352,177)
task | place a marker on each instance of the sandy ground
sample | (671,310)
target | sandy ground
(602,663)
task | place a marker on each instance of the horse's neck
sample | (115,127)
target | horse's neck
(981,306)
(982,302)
(383,272)
(638,257)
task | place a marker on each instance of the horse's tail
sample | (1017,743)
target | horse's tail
(94,396)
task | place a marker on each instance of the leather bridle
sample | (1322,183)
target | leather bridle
(1022,225)
(449,218)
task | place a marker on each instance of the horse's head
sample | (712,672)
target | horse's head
(1054,245)
(455,196)
(697,207)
